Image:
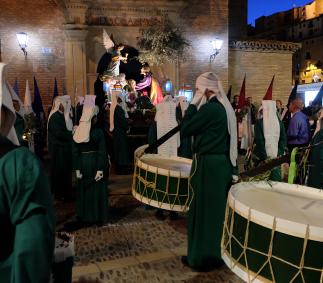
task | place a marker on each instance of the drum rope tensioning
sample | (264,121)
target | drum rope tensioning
(162,182)
(274,247)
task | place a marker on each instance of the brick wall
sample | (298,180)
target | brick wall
(204,20)
(259,68)
(42,21)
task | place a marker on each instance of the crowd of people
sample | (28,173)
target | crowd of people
(213,131)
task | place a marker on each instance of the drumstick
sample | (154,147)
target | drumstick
(273,163)
(151,148)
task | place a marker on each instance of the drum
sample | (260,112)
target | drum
(273,232)
(162,182)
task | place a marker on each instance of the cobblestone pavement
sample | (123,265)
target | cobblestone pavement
(134,246)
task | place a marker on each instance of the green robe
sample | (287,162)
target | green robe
(92,196)
(315,177)
(260,149)
(120,138)
(185,148)
(152,134)
(211,176)
(26,219)
(60,151)
(20,128)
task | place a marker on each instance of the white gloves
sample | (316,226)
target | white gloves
(197,98)
(78,174)
(98,176)
(235,179)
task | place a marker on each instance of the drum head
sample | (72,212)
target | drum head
(176,164)
(162,181)
(273,232)
(284,201)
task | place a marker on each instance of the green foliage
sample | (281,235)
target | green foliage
(161,43)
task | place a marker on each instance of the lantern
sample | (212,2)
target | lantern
(168,86)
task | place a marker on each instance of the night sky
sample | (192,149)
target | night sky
(269,7)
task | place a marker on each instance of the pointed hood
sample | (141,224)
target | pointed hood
(229,93)
(27,101)
(242,96)
(7,122)
(55,90)
(269,93)
(293,94)
(37,104)
(15,87)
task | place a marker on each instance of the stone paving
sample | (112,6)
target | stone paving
(134,246)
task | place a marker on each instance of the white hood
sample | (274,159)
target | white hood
(27,101)
(15,97)
(65,100)
(211,81)
(82,132)
(7,125)
(271,127)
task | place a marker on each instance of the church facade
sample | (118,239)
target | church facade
(65,41)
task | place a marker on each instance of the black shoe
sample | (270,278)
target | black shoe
(184,261)
(74,226)
(160,215)
(173,215)
(208,268)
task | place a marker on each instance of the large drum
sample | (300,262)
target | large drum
(273,232)
(162,182)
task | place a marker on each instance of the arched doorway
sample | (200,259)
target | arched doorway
(131,70)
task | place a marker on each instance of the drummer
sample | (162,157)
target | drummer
(211,120)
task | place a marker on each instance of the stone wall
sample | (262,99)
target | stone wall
(42,21)
(260,61)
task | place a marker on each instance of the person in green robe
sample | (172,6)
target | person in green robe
(60,148)
(185,148)
(270,136)
(213,126)
(90,164)
(315,177)
(20,121)
(26,209)
(120,127)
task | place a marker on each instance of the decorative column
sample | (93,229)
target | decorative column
(75,54)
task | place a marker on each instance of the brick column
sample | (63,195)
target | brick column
(75,61)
